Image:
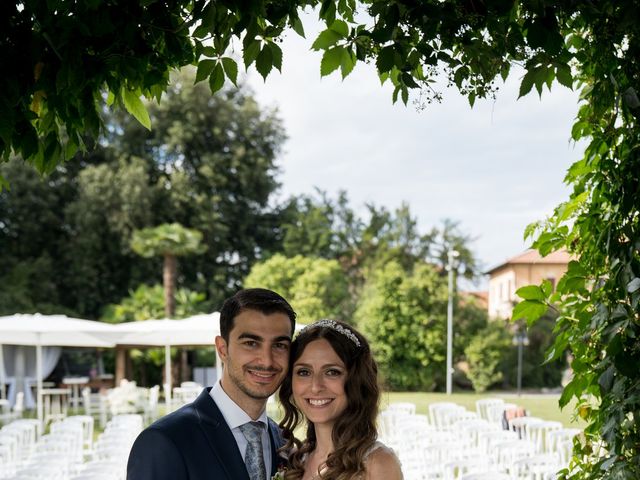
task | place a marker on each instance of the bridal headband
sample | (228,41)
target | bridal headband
(333,325)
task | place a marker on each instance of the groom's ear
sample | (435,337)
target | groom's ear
(221,347)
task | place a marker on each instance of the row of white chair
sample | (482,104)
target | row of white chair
(67,451)
(452,442)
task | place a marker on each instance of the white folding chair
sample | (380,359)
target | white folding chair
(538,434)
(484,404)
(520,424)
(538,467)
(406,407)
(486,476)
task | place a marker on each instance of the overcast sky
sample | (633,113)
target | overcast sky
(494,168)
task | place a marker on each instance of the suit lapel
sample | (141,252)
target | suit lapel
(278,460)
(218,434)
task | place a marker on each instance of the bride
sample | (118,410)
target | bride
(332,382)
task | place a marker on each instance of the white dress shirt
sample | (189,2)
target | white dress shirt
(235,417)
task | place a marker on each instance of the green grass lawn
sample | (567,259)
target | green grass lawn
(544,406)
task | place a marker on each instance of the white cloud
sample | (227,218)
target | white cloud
(495,168)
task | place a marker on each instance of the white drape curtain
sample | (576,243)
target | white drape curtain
(3,375)
(11,356)
(19,364)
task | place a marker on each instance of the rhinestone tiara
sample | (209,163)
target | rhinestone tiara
(333,325)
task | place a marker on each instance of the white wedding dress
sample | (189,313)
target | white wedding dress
(376,446)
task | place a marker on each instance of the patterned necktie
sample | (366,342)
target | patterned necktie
(253,458)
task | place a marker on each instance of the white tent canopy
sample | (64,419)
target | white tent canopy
(193,331)
(53,330)
(198,330)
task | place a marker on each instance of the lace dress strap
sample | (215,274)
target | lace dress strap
(376,446)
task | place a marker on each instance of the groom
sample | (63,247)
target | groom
(225,433)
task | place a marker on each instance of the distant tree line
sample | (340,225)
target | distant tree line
(210,164)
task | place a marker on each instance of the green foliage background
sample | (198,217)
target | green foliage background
(70,58)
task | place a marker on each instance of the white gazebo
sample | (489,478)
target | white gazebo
(52,330)
(196,331)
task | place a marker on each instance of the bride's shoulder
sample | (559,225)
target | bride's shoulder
(382,463)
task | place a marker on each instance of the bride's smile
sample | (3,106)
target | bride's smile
(318,382)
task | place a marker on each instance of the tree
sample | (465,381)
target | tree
(147,302)
(168,241)
(316,287)
(113,198)
(215,173)
(66,55)
(485,354)
(319,226)
(403,316)
(65,238)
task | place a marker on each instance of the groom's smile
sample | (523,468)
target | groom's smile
(257,355)
(263,376)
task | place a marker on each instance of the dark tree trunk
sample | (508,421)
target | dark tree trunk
(169,282)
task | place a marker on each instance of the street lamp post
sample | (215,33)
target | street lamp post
(521,340)
(451,255)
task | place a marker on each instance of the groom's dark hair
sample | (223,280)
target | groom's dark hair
(259,299)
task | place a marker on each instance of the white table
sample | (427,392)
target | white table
(55,401)
(75,383)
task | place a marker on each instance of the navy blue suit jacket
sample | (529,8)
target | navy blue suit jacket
(194,443)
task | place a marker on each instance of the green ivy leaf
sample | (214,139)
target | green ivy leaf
(250,52)
(331,60)
(264,62)
(326,39)
(276,53)
(405,94)
(396,91)
(530,310)
(341,28)
(297,26)
(205,67)
(209,51)
(385,61)
(527,83)
(570,390)
(547,288)
(231,69)
(563,74)
(133,104)
(540,77)
(216,80)
(347,62)
(328,11)
(531,292)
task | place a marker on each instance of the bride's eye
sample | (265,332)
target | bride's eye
(334,372)
(302,372)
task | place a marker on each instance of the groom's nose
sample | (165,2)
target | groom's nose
(266,356)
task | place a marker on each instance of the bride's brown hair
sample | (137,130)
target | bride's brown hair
(354,432)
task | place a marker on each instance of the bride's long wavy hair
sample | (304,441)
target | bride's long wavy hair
(354,432)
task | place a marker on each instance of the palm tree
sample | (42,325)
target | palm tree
(169,240)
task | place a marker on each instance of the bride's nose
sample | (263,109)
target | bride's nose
(317,383)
